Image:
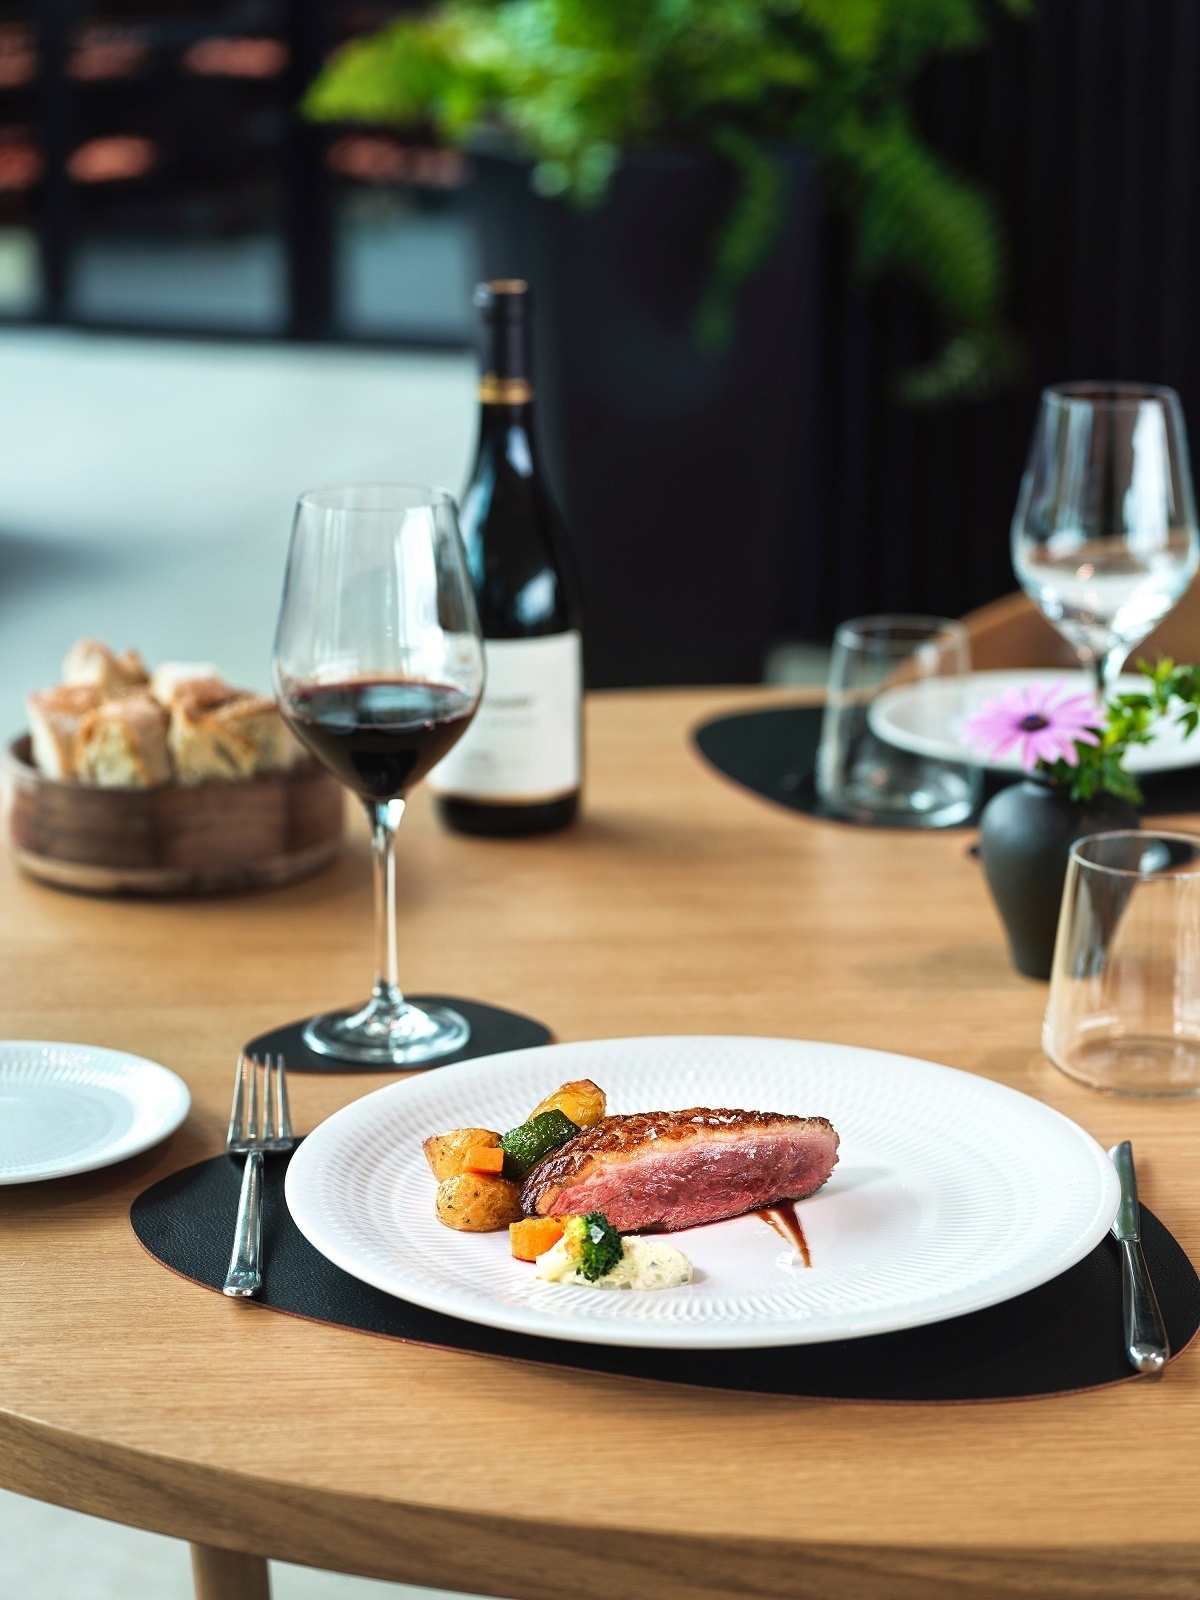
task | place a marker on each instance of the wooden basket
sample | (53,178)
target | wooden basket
(170,840)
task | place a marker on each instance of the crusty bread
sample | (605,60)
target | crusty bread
(203,749)
(169,677)
(91,662)
(259,720)
(55,716)
(113,724)
(122,744)
(219,734)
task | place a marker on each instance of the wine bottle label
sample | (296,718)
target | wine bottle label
(523,746)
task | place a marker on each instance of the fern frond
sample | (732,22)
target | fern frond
(748,235)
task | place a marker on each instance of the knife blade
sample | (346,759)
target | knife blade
(1146,1342)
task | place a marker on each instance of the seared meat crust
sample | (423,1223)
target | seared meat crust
(647,1143)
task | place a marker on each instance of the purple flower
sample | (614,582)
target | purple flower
(1042,722)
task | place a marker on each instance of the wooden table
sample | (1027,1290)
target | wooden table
(681,904)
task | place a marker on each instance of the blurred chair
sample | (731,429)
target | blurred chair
(1013,633)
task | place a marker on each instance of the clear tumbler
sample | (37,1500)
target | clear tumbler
(895,698)
(1124,1007)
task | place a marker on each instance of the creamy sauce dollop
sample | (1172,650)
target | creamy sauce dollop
(644,1264)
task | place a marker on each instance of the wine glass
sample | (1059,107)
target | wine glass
(1104,536)
(378,668)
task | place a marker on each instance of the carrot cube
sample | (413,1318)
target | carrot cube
(481,1158)
(534,1236)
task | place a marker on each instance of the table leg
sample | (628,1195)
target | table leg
(229,1575)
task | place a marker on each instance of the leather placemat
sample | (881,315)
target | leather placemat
(1063,1336)
(774,754)
(493,1031)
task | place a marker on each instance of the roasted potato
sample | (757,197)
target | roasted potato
(478,1202)
(447,1153)
(583,1101)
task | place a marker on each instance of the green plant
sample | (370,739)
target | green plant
(1131,719)
(575,82)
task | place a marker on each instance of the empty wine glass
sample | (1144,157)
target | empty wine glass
(1104,535)
(378,669)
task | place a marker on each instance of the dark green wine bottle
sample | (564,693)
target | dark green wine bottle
(518,768)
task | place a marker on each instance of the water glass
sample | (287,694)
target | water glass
(880,665)
(1124,1007)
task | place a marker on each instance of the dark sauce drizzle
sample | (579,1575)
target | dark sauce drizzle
(786,1222)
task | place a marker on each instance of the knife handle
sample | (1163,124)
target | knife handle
(1145,1336)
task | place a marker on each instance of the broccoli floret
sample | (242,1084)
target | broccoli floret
(595,1244)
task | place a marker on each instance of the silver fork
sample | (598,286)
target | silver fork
(259,1121)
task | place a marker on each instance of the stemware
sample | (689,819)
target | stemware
(1104,536)
(378,668)
(1124,1007)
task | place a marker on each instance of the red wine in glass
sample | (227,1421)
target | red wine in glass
(378,668)
(380,736)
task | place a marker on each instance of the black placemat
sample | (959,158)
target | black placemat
(493,1031)
(1065,1335)
(774,754)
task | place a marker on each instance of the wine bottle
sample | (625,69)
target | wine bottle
(517,769)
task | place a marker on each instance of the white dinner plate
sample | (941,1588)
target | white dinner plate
(951,1193)
(926,719)
(68,1108)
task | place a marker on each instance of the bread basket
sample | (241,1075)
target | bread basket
(170,839)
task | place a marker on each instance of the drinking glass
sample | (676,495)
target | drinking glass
(895,679)
(1124,1006)
(378,668)
(1104,535)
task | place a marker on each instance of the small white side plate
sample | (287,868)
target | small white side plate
(925,718)
(68,1108)
(951,1193)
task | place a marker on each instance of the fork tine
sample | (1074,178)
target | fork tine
(256,1125)
(237,1113)
(283,1117)
(270,1097)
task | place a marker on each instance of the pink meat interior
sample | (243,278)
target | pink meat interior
(664,1187)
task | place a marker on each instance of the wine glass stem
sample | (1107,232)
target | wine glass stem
(385,817)
(1106,669)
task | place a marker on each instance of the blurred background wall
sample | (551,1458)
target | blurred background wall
(155,178)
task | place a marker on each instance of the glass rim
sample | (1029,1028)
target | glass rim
(393,496)
(1145,836)
(923,627)
(1116,394)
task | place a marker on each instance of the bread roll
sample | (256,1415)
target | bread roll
(91,662)
(203,748)
(259,719)
(55,716)
(122,744)
(220,735)
(169,677)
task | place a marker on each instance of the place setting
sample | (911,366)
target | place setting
(892,744)
(915,1264)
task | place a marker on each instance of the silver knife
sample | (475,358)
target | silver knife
(1145,1336)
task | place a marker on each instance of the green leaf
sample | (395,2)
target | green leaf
(574,84)
(748,233)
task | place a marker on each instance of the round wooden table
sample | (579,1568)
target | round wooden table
(680,904)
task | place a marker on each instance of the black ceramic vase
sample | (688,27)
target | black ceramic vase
(1025,837)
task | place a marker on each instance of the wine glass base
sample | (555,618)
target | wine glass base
(410,1036)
